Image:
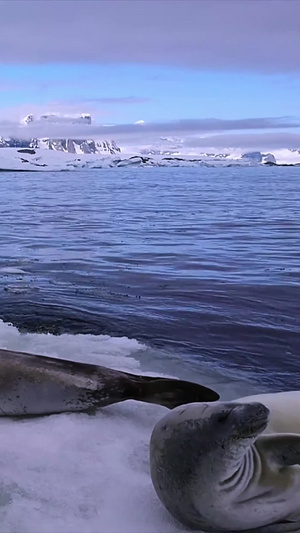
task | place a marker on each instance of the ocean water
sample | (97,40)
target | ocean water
(192,273)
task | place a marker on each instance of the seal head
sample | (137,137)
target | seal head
(213,471)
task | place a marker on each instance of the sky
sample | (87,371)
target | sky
(215,72)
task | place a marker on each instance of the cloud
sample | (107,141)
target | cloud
(261,36)
(94,106)
(197,133)
(189,126)
(253,141)
(113,101)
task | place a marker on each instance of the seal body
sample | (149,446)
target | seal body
(221,468)
(37,385)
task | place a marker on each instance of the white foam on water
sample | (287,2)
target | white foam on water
(74,472)
(12,270)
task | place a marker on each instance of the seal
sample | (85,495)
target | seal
(38,385)
(220,467)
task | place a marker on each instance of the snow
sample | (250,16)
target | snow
(74,473)
(287,157)
(51,160)
(164,151)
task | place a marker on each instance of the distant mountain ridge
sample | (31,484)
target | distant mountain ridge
(72,146)
(183,149)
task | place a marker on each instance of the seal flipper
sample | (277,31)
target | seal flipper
(281,450)
(170,392)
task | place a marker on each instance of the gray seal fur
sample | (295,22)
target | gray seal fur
(215,471)
(38,385)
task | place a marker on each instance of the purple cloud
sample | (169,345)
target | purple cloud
(141,132)
(253,141)
(261,36)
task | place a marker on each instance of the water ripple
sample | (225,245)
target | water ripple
(204,263)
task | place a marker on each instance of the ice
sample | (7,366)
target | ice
(100,349)
(72,473)
(289,157)
(77,472)
(45,160)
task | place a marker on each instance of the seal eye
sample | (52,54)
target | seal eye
(223,416)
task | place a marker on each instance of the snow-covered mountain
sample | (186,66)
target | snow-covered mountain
(165,151)
(72,146)
(77,146)
(178,148)
(217,157)
(187,149)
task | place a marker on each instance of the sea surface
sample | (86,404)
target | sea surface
(193,273)
(202,264)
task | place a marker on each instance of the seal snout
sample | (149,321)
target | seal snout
(252,418)
(259,411)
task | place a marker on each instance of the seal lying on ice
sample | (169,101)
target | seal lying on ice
(215,469)
(38,385)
